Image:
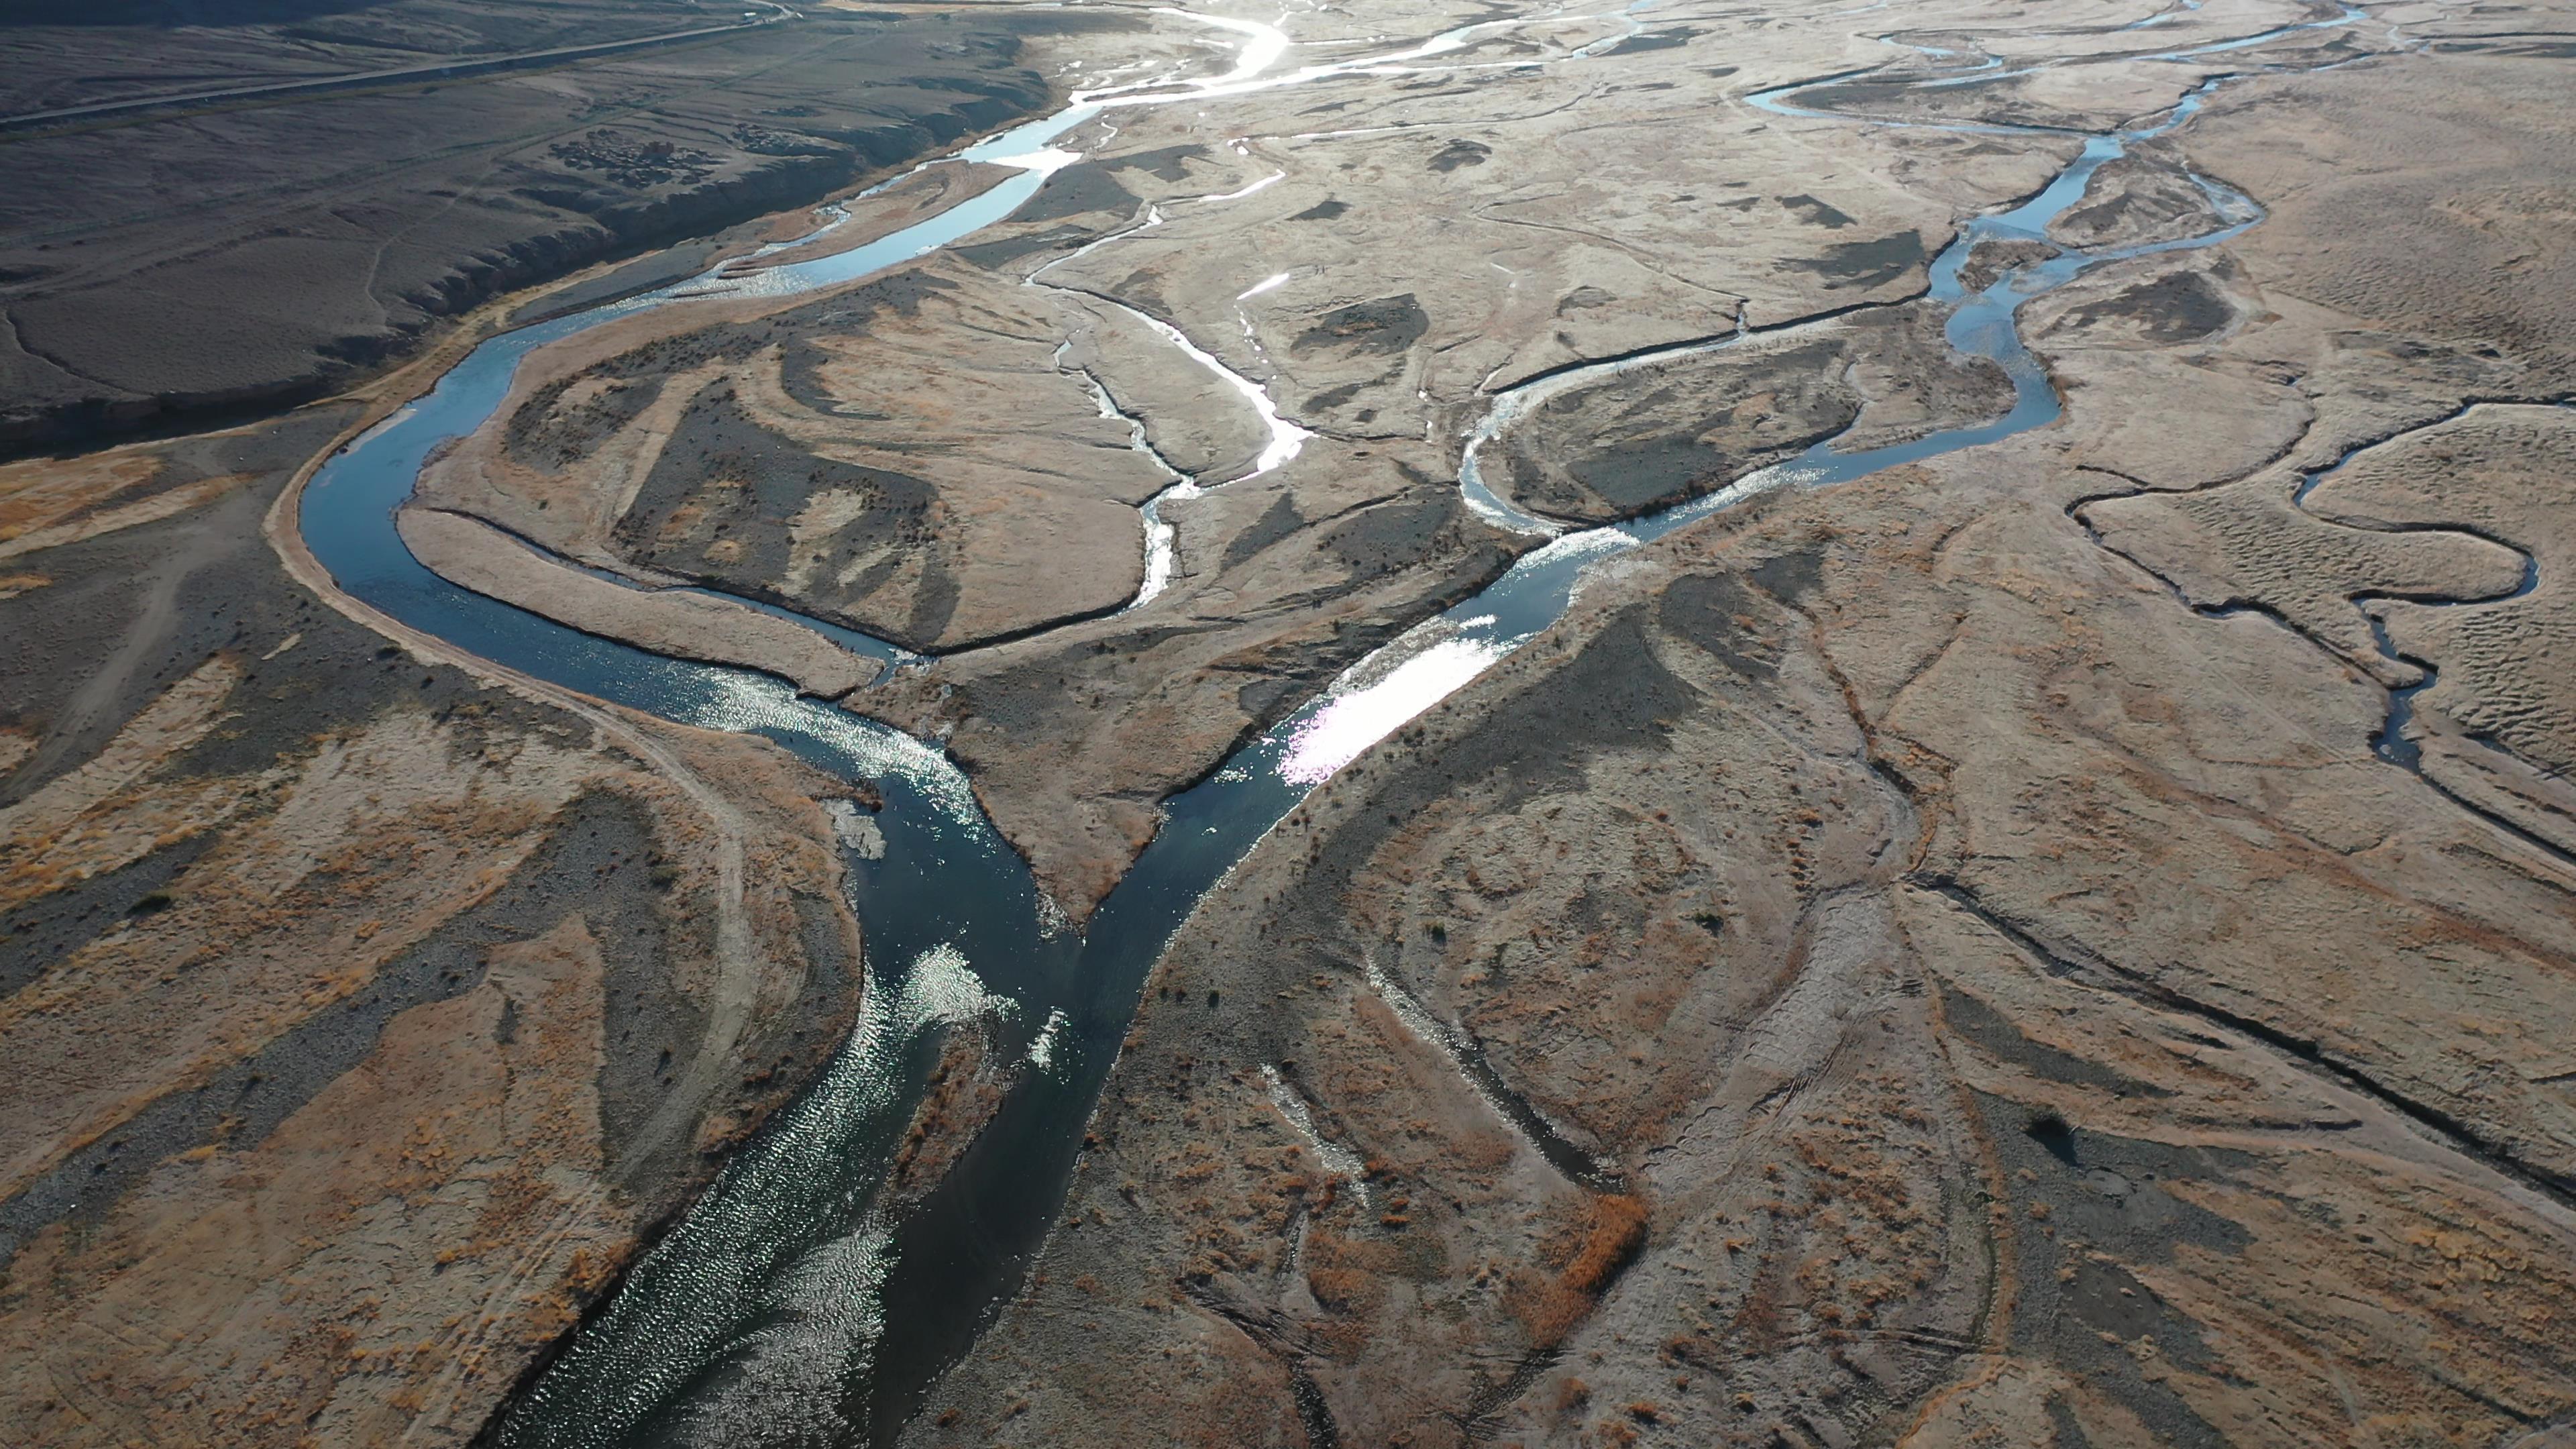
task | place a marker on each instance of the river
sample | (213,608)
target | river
(792,1304)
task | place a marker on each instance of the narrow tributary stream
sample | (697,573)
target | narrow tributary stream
(793,1304)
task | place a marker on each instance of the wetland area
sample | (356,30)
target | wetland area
(1015,724)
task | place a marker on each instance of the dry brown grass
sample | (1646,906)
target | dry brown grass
(1613,1228)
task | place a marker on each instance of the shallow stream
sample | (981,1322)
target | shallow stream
(792,1304)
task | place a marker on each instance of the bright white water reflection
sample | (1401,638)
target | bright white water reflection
(800,1299)
(1352,719)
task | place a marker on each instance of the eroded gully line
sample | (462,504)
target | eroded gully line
(768,1309)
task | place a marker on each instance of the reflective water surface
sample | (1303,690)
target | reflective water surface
(792,1305)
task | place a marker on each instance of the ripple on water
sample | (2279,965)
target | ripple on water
(771,1309)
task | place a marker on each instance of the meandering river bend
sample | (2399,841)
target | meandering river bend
(792,1304)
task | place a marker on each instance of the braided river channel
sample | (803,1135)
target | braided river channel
(793,1304)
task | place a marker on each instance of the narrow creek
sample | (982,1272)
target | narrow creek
(794,1303)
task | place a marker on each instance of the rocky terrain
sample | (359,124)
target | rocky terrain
(2068,938)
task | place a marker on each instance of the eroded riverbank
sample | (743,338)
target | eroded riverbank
(638,1357)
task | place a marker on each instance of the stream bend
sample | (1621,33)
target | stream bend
(795,1303)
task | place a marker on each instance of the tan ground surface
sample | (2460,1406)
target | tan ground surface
(364,1016)
(666,621)
(1940,961)
(844,456)
(1957,959)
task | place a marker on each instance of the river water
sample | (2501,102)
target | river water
(793,1304)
